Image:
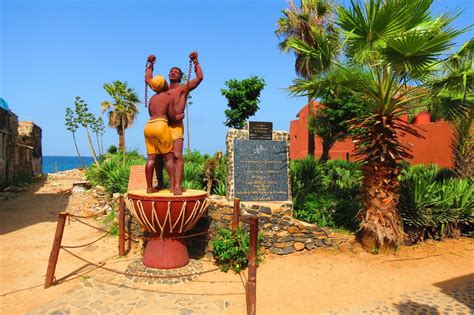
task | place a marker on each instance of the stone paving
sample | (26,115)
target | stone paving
(110,293)
(456,299)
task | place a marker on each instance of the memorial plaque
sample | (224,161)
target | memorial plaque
(260,170)
(137,179)
(260,130)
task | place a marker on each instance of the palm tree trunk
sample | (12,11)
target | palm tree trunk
(91,146)
(311,146)
(121,134)
(77,150)
(381,228)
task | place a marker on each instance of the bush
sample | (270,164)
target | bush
(307,176)
(112,173)
(229,253)
(433,206)
(318,210)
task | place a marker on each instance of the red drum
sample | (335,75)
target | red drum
(166,217)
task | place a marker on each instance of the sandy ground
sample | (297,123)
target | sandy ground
(302,283)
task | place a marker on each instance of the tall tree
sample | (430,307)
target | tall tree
(72,126)
(84,118)
(122,110)
(98,128)
(242,100)
(399,42)
(309,26)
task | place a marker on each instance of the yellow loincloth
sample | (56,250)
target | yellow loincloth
(177,130)
(158,136)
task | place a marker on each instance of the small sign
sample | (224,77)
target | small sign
(137,179)
(260,130)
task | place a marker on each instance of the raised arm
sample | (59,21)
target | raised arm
(197,70)
(149,69)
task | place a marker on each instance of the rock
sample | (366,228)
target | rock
(298,246)
(266,210)
(319,243)
(116,195)
(282,234)
(293,229)
(310,246)
(100,190)
(332,241)
(282,251)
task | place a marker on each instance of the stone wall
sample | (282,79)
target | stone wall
(243,134)
(20,148)
(282,234)
(8,140)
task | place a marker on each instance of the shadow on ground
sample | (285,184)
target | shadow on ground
(460,289)
(26,208)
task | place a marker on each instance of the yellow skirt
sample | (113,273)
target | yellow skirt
(158,136)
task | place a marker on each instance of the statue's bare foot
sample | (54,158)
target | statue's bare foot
(151,190)
(178,191)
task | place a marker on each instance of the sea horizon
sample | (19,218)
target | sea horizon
(59,163)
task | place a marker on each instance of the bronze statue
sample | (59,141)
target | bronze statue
(176,97)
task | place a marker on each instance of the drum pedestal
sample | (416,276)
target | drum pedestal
(165,217)
(165,254)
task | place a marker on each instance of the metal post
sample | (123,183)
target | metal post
(236,214)
(252,271)
(121,226)
(53,257)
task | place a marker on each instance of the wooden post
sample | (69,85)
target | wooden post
(236,214)
(121,226)
(53,257)
(252,271)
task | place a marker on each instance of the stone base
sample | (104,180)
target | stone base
(170,276)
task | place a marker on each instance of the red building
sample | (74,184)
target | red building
(435,148)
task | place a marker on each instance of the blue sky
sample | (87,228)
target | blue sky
(51,51)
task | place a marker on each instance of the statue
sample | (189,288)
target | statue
(157,132)
(179,94)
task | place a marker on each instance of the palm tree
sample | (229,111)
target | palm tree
(310,27)
(122,110)
(454,86)
(399,43)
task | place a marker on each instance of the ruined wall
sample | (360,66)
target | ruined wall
(29,148)
(20,148)
(8,140)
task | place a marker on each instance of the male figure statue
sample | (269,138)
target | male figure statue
(179,94)
(157,132)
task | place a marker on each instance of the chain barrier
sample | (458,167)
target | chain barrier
(88,244)
(95,215)
(141,275)
(91,226)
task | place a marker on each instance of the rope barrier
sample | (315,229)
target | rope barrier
(140,275)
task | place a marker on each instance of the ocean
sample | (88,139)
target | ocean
(52,164)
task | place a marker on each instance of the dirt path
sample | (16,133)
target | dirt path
(435,276)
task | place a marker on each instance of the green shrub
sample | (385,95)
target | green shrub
(318,209)
(112,173)
(307,176)
(345,177)
(433,206)
(229,253)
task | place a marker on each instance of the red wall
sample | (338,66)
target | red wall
(435,148)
